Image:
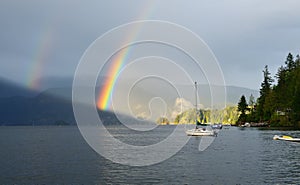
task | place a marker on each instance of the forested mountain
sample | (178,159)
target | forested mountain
(228,115)
(54,105)
(9,89)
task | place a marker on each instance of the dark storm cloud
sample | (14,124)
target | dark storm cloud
(244,35)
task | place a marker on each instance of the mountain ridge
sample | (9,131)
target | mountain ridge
(53,106)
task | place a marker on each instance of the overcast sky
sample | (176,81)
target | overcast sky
(47,38)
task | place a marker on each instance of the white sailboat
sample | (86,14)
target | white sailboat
(199,131)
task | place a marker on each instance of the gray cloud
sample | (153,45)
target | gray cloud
(244,35)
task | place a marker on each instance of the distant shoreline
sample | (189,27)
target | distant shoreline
(171,124)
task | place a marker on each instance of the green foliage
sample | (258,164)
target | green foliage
(230,115)
(242,105)
(242,108)
(263,112)
(188,117)
(280,104)
(226,115)
(163,121)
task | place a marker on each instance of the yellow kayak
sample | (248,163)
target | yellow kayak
(286,138)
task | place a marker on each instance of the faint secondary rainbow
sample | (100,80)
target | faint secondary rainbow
(40,55)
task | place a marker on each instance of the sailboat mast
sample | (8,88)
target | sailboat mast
(196,103)
(196,95)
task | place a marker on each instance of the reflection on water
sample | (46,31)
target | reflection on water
(59,155)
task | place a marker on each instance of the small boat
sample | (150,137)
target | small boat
(226,126)
(246,125)
(202,124)
(200,132)
(217,126)
(286,138)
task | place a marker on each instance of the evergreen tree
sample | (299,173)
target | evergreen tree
(264,92)
(297,61)
(242,108)
(251,101)
(280,89)
(290,63)
(295,105)
(280,104)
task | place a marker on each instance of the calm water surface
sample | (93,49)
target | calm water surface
(59,155)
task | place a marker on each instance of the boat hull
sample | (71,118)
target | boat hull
(217,126)
(200,132)
(286,138)
(226,126)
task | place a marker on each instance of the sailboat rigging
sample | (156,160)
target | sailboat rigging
(199,131)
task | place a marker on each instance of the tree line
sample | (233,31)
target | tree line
(227,115)
(278,103)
